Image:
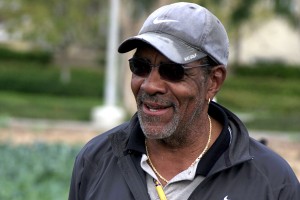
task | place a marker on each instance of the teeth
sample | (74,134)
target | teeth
(153,110)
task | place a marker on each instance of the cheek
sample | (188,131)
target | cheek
(190,97)
(136,83)
(186,91)
(185,96)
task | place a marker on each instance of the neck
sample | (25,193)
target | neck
(163,156)
(186,137)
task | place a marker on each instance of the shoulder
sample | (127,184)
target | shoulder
(267,160)
(274,169)
(101,146)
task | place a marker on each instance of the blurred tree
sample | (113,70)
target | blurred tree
(288,9)
(56,24)
(240,14)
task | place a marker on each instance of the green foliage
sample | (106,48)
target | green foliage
(269,95)
(35,172)
(42,57)
(142,6)
(55,23)
(268,70)
(45,106)
(242,12)
(36,78)
(34,90)
(287,9)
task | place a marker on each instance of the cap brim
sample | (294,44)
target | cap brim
(171,47)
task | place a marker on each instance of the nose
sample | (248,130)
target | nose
(153,83)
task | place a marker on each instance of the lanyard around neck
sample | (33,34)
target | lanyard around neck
(159,190)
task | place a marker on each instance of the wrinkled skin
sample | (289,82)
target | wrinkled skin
(172,111)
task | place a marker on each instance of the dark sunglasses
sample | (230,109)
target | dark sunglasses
(168,71)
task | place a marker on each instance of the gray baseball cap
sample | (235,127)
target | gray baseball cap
(183,32)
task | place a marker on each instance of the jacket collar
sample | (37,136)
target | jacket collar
(239,147)
(136,142)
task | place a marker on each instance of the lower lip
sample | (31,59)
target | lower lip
(158,112)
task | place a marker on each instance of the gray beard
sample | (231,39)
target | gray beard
(151,133)
(171,134)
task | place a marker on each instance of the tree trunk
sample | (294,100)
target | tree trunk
(237,48)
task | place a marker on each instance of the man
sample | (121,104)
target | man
(180,145)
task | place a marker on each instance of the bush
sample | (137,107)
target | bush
(35,172)
(38,56)
(268,95)
(268,70)
(31,78)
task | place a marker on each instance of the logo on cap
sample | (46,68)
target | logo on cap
(190,57)
(159,21)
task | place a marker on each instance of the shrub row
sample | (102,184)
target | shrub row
(37,56)
(31,78)
(268,70)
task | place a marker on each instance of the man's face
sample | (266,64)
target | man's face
(167,108)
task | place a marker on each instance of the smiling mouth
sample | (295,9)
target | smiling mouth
(155,109)
(154,105)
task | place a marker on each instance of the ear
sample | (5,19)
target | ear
(215,81)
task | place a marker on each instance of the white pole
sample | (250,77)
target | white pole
(111,55)
(110,115)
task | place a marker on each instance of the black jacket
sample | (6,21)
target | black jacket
(106,168)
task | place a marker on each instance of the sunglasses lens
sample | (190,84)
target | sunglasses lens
(171,71)
(139,67)
(168,71)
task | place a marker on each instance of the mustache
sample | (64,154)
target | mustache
(142,97)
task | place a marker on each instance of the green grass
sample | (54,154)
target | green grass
(46,106)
